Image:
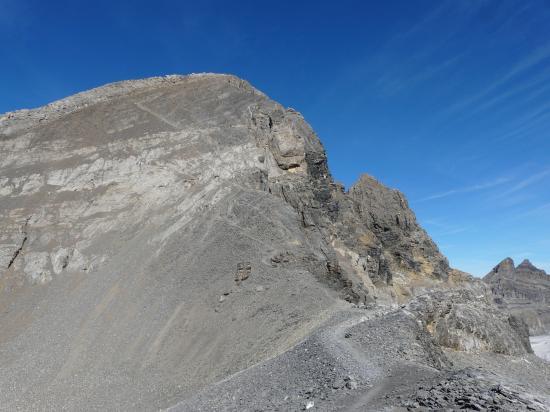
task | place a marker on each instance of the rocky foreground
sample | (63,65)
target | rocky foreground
(179,243)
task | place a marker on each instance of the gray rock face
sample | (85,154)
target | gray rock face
(127,212)
(523,290)
(107,158)
(460,320)
(403,245)
(162,235)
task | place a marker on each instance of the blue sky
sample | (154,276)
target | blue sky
(449,101)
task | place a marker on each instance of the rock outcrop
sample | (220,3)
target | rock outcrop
(524,291)
(162,235)
(459,320)
(392,234)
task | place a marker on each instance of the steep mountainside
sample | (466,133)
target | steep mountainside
(169,239)
(523,290)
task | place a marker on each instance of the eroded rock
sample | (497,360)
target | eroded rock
(462,320)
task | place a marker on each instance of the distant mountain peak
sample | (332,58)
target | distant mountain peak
(506,263)
(524,290)
(504,269)
(526,264)
(507,268)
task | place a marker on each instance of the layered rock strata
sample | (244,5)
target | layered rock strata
(523,290)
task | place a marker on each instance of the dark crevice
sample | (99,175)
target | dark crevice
(20,248)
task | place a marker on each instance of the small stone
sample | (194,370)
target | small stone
(351,385)
(338,383)
(243,271)
(260,288)
(222,298)
(309,405)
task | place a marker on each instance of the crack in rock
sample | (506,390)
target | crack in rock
(20,248)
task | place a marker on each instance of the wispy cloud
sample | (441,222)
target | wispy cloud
(467,189)
(526,182)
(396,71)
(528,62)
(539,210)
(540,85)
(511,12)
(536,57)
(392,83)
(443,228)
(433,15)
(526,124)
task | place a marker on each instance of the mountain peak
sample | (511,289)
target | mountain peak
(183,213)
(507,262)
(526,264)
(504,269)
(25,119)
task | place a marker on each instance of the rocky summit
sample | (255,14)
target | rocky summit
(179,243)
(523,290)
